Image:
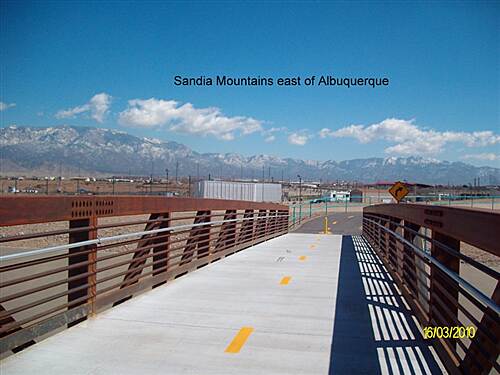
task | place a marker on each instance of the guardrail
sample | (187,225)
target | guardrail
(427,250)
(308,209)
(100,251)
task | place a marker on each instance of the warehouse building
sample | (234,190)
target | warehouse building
(244,191)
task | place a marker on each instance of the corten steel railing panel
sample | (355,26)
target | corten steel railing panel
(100,251)
(421,247)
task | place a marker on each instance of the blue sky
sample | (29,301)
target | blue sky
(112,65)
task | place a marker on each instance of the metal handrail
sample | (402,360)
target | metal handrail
(489,271)
(464,283)
(101,240)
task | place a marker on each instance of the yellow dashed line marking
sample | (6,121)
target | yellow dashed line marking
(285,280)
(239,340)
(302,257)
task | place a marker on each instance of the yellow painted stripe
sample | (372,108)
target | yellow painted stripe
(239,340)
(302,257)
(285,280)
(334,222)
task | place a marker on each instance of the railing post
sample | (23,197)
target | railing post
(88,283)
(439,282)
(409,267)
(394,225)
(161,250)
(481,344)
(199,238)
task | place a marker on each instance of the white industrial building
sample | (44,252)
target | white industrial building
(244,191)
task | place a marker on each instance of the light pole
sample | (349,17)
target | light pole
(166,183)
(300,198)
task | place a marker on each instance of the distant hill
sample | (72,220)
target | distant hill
(43,151)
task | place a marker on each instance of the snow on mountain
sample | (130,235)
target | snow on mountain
(36,150)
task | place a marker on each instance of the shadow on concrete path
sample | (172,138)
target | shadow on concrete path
(374,331)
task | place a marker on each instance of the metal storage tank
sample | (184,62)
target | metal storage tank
(245,191)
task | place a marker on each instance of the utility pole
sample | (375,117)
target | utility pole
(177,171)
(60,177)
(151,177)
(189,186)
(78,181)
(166,183)
(263,174)
(300,198)
(114,180)
(197,171)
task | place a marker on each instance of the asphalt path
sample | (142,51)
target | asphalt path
(348,223)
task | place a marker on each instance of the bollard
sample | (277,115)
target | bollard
(326,224)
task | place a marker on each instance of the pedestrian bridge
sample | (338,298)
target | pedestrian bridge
(256,295)
(297,304)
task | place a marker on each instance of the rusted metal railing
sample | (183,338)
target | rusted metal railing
(66,258)
(436,257)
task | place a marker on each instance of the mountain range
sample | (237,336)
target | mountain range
(82,151)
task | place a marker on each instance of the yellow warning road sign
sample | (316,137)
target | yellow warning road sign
(399,191)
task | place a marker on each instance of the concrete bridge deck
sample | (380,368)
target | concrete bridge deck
(297,304)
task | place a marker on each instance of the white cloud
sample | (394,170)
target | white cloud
(5,106)
(269,133)
(154,113)
(410,139)
(484,156)
(298,139)
(98,107)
